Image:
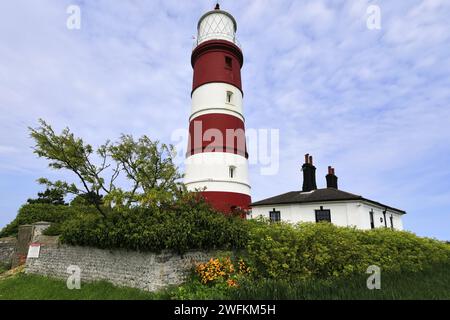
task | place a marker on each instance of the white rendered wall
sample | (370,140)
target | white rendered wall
(211,170)
(363,213)
(343,214)
(212,98)
(216,26)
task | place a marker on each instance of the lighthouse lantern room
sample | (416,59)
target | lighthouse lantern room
(216,159)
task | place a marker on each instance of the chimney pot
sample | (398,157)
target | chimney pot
(331,178)
(309,174)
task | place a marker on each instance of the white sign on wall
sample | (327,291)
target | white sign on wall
(33,250)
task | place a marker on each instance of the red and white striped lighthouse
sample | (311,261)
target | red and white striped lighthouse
(216,160)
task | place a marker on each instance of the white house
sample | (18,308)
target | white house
(329,204)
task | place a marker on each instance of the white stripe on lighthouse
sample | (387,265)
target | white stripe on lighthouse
(212,170)
(212,98)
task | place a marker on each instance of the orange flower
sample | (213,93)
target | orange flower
(232,283)
(220,270)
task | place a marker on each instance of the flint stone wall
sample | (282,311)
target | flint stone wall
(7,249)
(143,270)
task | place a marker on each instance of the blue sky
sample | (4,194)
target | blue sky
(372,103)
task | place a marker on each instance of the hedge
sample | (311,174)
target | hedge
(31,213)
(152,229)
(323,250)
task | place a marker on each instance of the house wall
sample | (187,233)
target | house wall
(343,213)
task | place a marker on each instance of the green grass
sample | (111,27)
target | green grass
(430,284)
(31,287)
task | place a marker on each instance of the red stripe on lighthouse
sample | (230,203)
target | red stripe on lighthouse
(217,132)
(217,61)
(227,201)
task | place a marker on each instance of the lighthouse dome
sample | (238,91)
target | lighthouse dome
(216,25)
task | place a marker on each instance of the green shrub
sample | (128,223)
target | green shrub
(180,228)
(53,230)
(323,250)
(31,213)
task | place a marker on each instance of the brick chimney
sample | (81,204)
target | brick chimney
(331,178)
(309,174)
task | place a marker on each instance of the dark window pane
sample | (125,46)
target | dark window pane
(275,216)
(372,221)
(228,62)
(323,215)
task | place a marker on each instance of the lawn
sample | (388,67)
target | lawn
(30,287)
(430,284)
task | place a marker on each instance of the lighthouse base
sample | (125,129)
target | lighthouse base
(227,202)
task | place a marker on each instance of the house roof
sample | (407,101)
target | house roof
(318,195)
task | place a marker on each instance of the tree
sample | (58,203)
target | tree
(65,151)
(50,196)
(87,199)
(148,165)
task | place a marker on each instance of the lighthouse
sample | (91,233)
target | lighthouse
(217,159)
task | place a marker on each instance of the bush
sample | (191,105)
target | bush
(31,213)
(183,227)
(53,230)
(323,250)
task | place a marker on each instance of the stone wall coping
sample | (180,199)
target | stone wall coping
(41,223)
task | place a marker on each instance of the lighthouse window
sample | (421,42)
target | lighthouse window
(232,172)
(229,96)
(228,62)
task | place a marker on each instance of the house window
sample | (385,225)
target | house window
(384,215)
(275,216)
(392,222)
(372,221)
(232,171)
(229,96)
(323,215)
(228,62)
